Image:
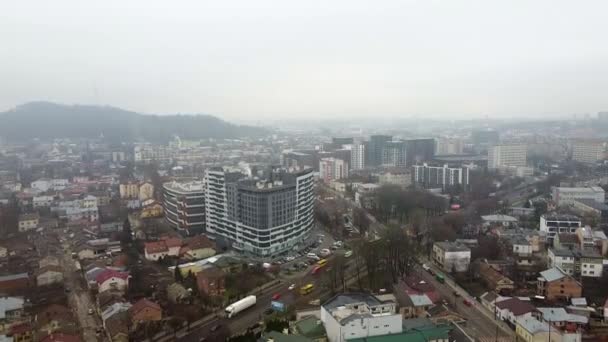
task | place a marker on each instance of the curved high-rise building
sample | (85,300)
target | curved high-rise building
(261,217)
(184,204)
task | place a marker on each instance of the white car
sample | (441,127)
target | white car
(291,287)
(325,252)
(290,258)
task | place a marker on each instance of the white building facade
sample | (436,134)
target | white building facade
(507,155)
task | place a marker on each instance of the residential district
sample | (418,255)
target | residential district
(464,234)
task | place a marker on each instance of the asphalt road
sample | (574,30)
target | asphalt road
(80,300)
(249,317)
(480,323)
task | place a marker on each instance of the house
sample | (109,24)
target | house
(55,317)
(211,281)
(11,310)
(108,298)
(14,283)
(555,284)
(412,305)
(198,247)
(451,257)
(117,328)
(489,300)
(565,241)
(494,279)
(28,222)
(49,275)
(565,259)
(155,250)
(561,318)
(112,280)
(162,248)
(42,201)
(415,284)
(512,309)
(22,332)
(531,329)
(61,337)
(119,310)
(145,310)
(177,293)
(48,260)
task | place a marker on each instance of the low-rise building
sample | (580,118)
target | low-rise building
(145,310)
(513,309)
(562,319)
(163,248)
(451,257)
(49,275)
(43,201)
(350,316)
(28,222)
(495,280)
(112,280)
(14,283)
(11,310)
(566,196)
(555,284)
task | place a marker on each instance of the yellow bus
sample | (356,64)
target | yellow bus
(306,289)
(321,262)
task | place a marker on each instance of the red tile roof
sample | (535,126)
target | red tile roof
(173,242)
(108,273)
(200,241)
(156,247)
(142,304)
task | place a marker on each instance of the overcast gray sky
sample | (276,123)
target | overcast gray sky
(271,59)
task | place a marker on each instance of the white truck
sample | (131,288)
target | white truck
(239,306)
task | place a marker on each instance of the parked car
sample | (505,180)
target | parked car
(276,296)
(467,302)
(215,327)
(291,287)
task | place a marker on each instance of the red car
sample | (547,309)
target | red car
(276,296)
(467,302)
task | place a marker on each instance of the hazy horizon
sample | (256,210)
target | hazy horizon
(276,60)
